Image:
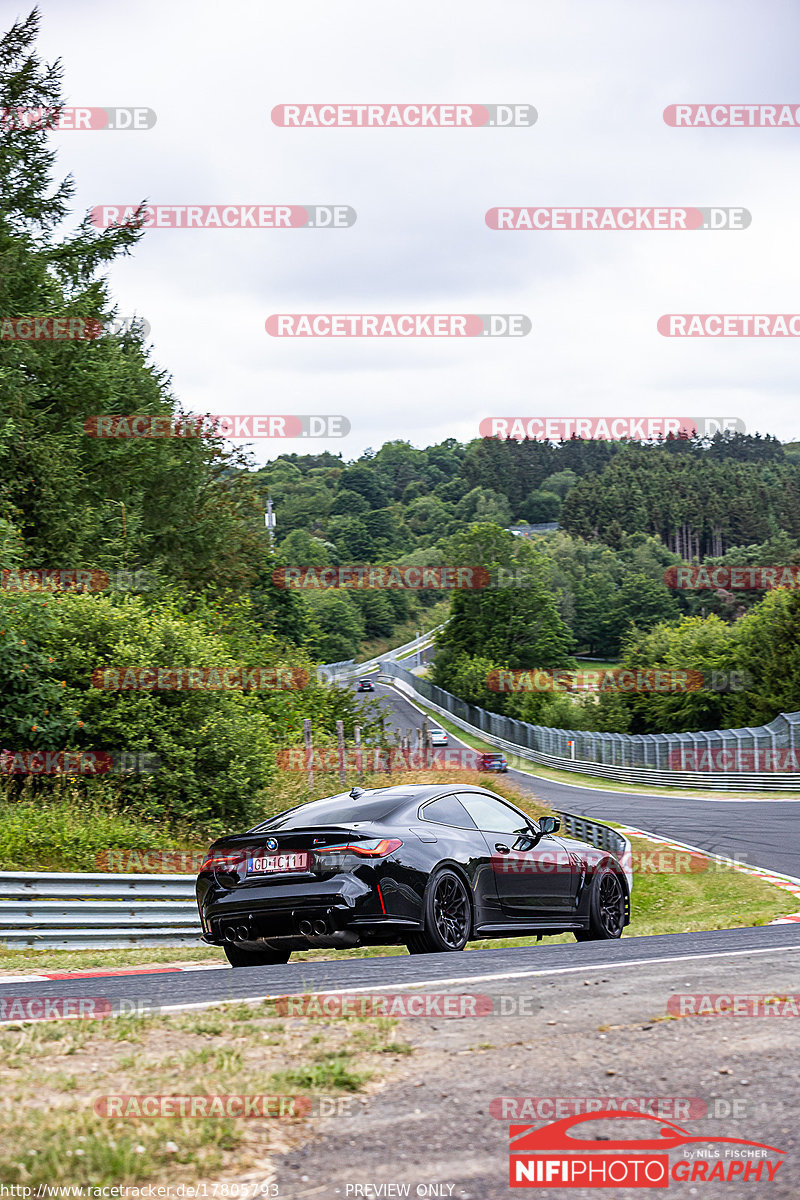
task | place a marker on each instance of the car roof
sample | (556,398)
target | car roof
(373,804)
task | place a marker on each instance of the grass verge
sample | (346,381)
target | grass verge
(53,1075)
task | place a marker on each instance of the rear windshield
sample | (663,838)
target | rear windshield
(333,810)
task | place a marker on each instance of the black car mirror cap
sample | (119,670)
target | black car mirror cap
(549,825)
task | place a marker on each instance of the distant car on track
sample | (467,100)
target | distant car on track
(493,762)
(431,867)
(438,737)
(365,685)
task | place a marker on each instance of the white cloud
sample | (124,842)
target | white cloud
(599,75)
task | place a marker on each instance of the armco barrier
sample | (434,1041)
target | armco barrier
(71,911)
(640,759)
(350,668)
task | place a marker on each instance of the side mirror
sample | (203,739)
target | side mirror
(549,825)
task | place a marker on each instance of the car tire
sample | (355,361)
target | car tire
(238,957)
(606,908)
(447,916)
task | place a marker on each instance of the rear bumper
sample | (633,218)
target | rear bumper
(343,903)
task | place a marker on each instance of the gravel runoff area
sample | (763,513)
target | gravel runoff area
(433,1129)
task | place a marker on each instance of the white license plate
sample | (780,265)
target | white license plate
(269,864)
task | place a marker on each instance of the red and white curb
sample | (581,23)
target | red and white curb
(788,882)
(50,975)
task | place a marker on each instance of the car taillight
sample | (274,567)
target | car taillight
(222,861)
(376,848)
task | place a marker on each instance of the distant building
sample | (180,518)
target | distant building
(527,530)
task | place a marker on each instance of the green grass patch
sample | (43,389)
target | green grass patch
(326,1071)
(72,834)
(52,1074)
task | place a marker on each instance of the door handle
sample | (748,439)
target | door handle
(503,849)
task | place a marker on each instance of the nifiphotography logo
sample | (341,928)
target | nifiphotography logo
(551,1156)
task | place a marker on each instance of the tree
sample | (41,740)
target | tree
(175,505)
(338,623)
(644,602)
(767,648)
(514,622)
(541,507)
(365,481)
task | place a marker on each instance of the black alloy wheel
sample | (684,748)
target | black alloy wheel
(448,916)
(606,908)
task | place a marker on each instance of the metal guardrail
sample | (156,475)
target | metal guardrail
(330,672)
(349,668)
(56,910)
(490,723)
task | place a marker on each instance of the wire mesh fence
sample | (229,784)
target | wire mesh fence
(771,752)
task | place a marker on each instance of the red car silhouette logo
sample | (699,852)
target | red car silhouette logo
(526,1139)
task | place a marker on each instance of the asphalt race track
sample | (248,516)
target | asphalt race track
(761,833)
(165,988)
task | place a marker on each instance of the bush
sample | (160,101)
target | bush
(216,748)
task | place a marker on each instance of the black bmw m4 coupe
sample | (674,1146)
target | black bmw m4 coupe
(429,867)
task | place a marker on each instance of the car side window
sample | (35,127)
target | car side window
(488,813)
(448,810)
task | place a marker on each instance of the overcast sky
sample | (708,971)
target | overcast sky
(599,72)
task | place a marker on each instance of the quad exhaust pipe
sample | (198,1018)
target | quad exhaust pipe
(318,928)
(305,927)
(238,933)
